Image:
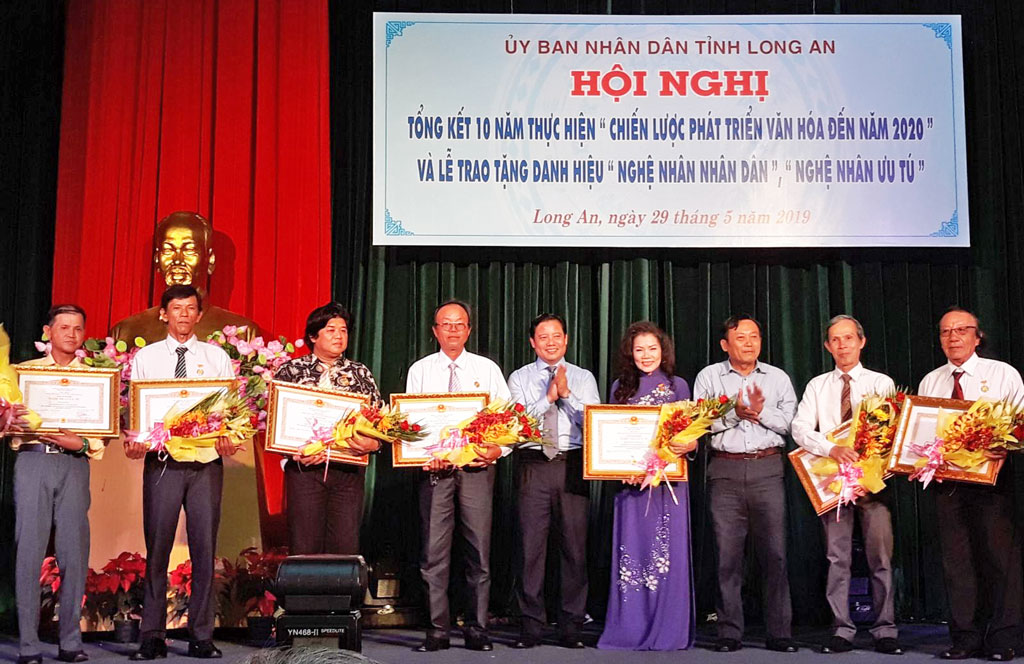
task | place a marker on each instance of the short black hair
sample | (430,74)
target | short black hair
(180,292)
(543,318)
(319,317)
(59,309)
(465,307)
(732,322)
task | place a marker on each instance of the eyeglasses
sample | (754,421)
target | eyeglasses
(457,327)
(958,331)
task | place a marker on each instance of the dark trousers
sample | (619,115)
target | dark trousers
(167,486)
(981,558)
(876,527)
(472,491)
(50,490)
(324,513)
(545,505)
(747,497)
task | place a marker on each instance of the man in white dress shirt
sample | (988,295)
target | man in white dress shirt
(980,537)
(169,485)
(829,400)
(454,369)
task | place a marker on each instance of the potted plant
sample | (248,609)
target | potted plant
(49,585)
(115,593)
(179,592)
(255,577)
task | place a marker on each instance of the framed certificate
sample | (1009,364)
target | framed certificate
(83,400)
(151,399)
(615,440)
(293,410)
(917,425)
(822,498)
(433,412)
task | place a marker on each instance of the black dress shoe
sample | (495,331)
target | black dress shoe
(727,645)
(480,642)
(888,646)
(204,650)
(72,656)
(30,659)
(526,641)
(433,644)
(781,645)
(150,649)
(573,642)
(1001,654)
(837,644)
(959,652)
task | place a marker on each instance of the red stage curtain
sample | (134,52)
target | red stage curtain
(214,106)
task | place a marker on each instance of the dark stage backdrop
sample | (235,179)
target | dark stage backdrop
(898,294)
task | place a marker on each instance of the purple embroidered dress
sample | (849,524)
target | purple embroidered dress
(650,605)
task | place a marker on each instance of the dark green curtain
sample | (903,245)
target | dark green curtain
(31,61)
(897,294)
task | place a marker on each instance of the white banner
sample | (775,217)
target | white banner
(692,131)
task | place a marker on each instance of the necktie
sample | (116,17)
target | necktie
(179,366)
(845,407)
(550,423)
(453,378)
(958,392)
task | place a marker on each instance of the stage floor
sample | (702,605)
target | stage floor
(394,646)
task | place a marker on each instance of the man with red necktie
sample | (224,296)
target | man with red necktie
(981,541)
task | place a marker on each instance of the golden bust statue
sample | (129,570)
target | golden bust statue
(183,254)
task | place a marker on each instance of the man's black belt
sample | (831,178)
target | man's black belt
(47,448)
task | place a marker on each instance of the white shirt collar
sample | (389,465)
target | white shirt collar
(854,372)
(460,361)
(542,365)
(172,344)
(970,367)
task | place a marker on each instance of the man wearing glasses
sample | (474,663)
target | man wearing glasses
(981,543)
(454,369)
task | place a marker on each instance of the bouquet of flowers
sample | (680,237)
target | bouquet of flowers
(388,425)
(255,363)
(10,393)
(679,424)
(184,431)
(961,439)
(871,435)
(499,423)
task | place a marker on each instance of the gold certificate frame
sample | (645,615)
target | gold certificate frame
(615,439)
(917,425)
(150,400)
(433,412)
(83,400)
(293,410)
(822,498)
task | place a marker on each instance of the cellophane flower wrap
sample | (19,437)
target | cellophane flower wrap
(871,435)
(10,393)
(184,431)
(499,423)
(962,438)
(255,362)
(386,424)
(680,423)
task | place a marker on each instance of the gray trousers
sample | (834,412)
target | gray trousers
(166,488)
(545,504)
(747,497)
(50,490)
(876,526)
(472,490)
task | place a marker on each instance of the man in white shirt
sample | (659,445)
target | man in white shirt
(980,538)
(829,400)
(169,485)
(553,497)
(454,369)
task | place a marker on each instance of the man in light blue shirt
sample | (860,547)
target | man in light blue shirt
(745,481)
(551,486)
